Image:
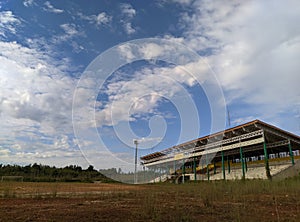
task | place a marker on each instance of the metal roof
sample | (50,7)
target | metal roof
(272,134)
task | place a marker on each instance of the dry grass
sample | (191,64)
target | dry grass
(253,200)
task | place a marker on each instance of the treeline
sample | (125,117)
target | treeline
(43,173)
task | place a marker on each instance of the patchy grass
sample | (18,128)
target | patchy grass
(253,200)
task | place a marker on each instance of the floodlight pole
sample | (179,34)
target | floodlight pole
(135,160)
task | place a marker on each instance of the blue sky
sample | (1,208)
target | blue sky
(249,50)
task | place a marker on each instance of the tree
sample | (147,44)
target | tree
(90,168)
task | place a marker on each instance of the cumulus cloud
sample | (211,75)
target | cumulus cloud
(32,87)
(143,93)
(253,47)
(36,94)
(35,103)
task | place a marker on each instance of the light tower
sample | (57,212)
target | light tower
(135,160)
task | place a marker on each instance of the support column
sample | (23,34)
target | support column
(149,174)
(215,167)
(223,167)
(195,169)
(167,170)
(291,153)
(202,171)
(144,174)
(160,174)
(174,167)
(183,171)
(154,174)
(228,164)
(207,169)
(242,162)
(267,161)
(246,164)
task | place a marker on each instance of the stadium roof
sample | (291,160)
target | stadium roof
(257,131)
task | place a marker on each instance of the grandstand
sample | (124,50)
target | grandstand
(251,150)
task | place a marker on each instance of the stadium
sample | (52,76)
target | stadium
(254,150)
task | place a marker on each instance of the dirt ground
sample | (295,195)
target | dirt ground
(119,202)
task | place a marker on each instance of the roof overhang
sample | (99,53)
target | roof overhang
(248,135)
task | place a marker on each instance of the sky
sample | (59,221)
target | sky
(79,81)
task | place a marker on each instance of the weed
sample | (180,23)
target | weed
(249,200)
(206,202)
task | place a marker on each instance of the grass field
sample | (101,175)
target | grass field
(253,200)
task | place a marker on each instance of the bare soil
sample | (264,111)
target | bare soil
(160,202)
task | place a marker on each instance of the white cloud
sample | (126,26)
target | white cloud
(70,33)
(57,158)
(35,103)
(51,8)
(8,23)
(142,94)
(70,29)
(36,93)
(184,2)
(127,10)
(128,13)
(128,28)
(181,2)
(126,52)
(100,19)
(28,3)
(4,152)
(254,48)
(152,50)
(32,87)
